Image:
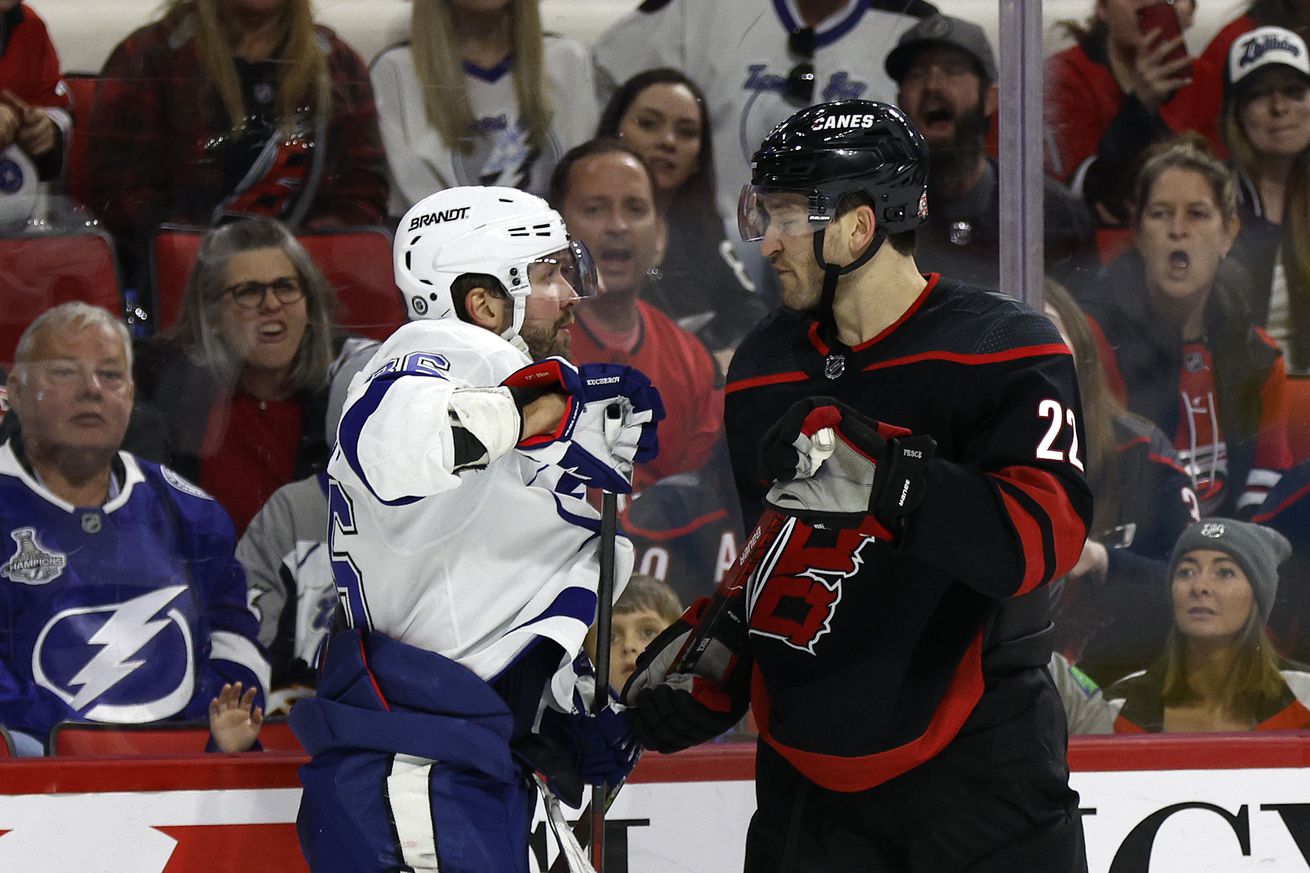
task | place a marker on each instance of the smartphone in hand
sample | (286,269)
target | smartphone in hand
(1163,17)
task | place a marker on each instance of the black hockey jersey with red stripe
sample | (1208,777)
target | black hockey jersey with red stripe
(869,655)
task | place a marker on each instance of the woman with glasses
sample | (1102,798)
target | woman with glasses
(242,382)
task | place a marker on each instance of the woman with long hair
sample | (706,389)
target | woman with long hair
(1219,671)
(1113,94)
(1266,124)
(1109,612)
(231,108)
(1177,339)
(243,380)
(480,96)
(699,282)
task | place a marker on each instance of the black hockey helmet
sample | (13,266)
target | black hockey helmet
(832,149)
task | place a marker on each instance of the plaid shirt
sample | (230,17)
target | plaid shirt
(156,118)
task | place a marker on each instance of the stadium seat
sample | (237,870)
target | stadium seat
(95,740)
(83,89)
(38,272)
(356,261)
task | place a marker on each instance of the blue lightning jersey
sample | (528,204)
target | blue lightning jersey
(130,612)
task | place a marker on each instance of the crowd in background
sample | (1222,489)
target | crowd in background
(1177,245)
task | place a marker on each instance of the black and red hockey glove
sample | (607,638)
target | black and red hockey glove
(671,711)
(833,466)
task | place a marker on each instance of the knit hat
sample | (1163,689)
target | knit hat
(1263,47)
(942,30)
(1257,549)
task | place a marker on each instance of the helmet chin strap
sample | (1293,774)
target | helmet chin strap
(831,273)
(511,333)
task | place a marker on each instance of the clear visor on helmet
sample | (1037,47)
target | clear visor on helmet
(790,213)
(564,275)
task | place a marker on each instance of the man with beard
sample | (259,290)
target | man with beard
(946,75)
(465,553)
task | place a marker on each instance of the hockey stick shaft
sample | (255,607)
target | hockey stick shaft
(609,513)
(766,530)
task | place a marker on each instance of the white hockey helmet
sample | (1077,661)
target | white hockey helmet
(476,229)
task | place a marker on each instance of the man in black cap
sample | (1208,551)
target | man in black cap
(946,74)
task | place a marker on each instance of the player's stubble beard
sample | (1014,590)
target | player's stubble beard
(543,342)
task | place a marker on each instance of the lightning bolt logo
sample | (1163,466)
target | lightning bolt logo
(129,628)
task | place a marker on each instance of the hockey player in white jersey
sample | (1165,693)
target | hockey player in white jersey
(465,554)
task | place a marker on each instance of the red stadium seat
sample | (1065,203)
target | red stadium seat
(356,261)
(94,740)
(38,272)
(83,88)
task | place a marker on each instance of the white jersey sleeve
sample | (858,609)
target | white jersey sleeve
(411,387)
(475,565)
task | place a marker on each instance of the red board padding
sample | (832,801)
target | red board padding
(721,762)
(198,847)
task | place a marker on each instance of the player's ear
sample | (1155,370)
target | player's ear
(862,228)
(484,308)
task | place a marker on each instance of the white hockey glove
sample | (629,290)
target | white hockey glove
(832,466)
(610,423)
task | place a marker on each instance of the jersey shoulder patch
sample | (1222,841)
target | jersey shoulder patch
(181,484)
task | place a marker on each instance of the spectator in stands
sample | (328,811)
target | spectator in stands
(607,197)
(1177,339)
(945,71)
(1110,612)
(1287,510)
(228,108)
(700,282)
(148,620)
(480,96)
(758,62)
(1113,94)
(1266,124)
(1219,671)
(34,100)
(242,381)
(1291,14)
(645,608)
(289,571)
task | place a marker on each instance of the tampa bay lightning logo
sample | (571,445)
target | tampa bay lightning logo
(11,176)
(128,662)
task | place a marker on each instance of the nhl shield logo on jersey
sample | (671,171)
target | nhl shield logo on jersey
(801,590)
(32,564)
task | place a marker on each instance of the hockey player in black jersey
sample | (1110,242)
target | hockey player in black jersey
(911,447)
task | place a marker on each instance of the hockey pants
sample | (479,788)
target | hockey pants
(996,800)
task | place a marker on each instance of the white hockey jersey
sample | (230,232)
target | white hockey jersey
(737,52)
(474,565)
(420,162)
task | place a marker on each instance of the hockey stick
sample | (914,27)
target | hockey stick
(757,544)
(609,512)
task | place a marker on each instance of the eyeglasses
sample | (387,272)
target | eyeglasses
(798,90)
(250,295)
